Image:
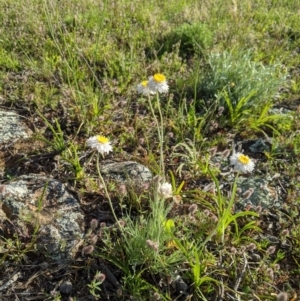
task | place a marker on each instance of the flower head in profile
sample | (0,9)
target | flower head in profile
(165,190)
(241,163)
(158,83)
(100,143)
(144,89)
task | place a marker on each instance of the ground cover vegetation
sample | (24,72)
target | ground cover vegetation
(220,72)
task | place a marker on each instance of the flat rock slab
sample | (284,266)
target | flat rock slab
(126,171)
(11,127)
(46,202)
(263,195)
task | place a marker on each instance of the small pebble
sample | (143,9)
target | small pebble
(66,287)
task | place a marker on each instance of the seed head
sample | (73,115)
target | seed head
(103,225)
(156,296)
(213,151)
(206,212)
(233,250)
(220,111)
(251,247)
(258,209)
(270,273)
(214,218)
(247,194)
(152,244)
(122,190)
(88,250)
(285,232)
(193,208)
(271,250)
(94,224)
(283,296)
(94,240)
(119,292)
(100,277)
(121,223)
(239,190)
(225,153)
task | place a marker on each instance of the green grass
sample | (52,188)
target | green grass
(73,67)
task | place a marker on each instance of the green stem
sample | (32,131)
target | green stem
(160,131)
(162,166)
(107,194)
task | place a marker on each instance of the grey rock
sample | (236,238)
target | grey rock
(126,171)
(13,192)
(263,195)
(260,146)
(180,285)
(48,202)
(11,127)
(272,239)
(66,287)
(255,257)
(255,146)
(282,111)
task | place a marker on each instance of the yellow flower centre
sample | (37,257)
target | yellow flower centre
(244,159)
(144,83)
(159,78)
(102,139)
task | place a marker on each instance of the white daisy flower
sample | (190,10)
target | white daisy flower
(158,83)
(143,88)
(241,163)
(100,143)
(165,190)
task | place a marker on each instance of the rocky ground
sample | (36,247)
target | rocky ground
(50,219)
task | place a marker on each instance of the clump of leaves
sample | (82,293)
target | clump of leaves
(193,39)
(239,76)
(240,86)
